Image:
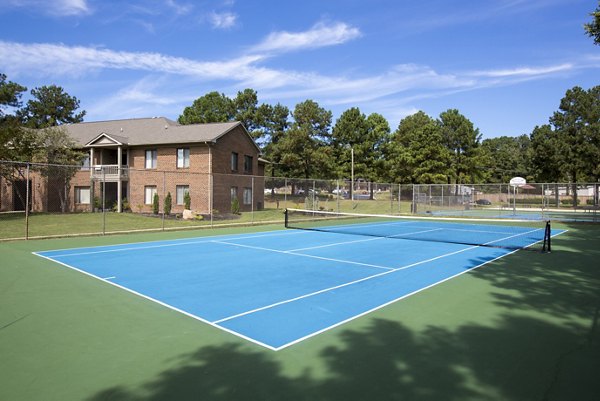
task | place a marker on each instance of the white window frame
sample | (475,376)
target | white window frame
(149,199)
(234,161)
(180,198)
(247,196)
(248,164)
(78,195)
(85,163)
(183,158)
(150,161)
(233,191)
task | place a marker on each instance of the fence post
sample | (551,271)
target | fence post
(210,200)
(337,194)
(164,197)
(103,200)
(253,197)
(27,189)
(285,185)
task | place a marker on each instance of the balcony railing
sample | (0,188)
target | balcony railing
(110,172)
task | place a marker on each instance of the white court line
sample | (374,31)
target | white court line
(363,240)
(301,254)
(256,341)
(343,285)
(252,340)
(171,243)
(351,282)
(110,278)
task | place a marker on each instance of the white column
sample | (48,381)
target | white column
(119,180)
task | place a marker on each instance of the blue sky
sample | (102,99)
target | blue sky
(505,64)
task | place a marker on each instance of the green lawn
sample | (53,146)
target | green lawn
(52,224)
(525,327)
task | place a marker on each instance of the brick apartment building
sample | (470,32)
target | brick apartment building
(135,158)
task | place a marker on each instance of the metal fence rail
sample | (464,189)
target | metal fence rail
(42,200)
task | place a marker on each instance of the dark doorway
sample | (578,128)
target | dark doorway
(19,195)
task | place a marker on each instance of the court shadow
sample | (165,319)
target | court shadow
(563,283)
(518,359)
(527,352)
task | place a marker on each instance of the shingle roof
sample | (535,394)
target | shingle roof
(148,131)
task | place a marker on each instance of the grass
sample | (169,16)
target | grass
(525,327)
(56,224)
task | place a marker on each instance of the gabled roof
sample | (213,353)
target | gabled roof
(105,139)
(149,131)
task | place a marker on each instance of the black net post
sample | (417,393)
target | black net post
(286,218)
(547,248)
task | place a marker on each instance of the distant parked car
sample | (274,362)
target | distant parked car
(483,202)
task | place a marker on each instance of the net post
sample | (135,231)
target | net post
(285,213)
(547,247)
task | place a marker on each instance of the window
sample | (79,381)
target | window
(85,163)
(151,159)
(247,196)
(233,193)
(234,161)
(183,158)
(247,164)
(181,191)
(149,192)
(82,195)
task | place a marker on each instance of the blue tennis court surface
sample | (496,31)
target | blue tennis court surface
(280,287)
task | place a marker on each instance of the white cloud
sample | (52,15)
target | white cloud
(59,59)
(525,71)
(180,8)
(320,35)
(223,20)
(53,7)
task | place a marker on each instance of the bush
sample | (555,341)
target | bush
(168,204)
(125,206)
(569,202)
(97,203)
(155,204)
(187,200)
(235,206)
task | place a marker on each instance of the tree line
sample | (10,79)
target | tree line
(306,143)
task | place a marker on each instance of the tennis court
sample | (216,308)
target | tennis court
(281,287)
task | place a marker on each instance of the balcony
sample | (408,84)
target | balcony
(110,172)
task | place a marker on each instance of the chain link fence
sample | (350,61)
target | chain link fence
(41,200)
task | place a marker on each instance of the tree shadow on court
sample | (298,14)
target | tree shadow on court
(387,361)
(544,344)
(564,283)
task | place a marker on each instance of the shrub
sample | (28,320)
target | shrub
(187,200)
(235,206)
(168,204)
(125,206)
(155,204)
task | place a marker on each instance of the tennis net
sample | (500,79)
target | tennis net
(497,233)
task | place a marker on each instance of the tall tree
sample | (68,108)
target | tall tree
(50,106)
(507,157)
(577,125)
(593,28)
(347,135)
(214,107)
(544,155)
(303,150)
(463,142)
(274,124)
(10,94)
(364,136)
(10,129)
(245,110)
(416,152)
